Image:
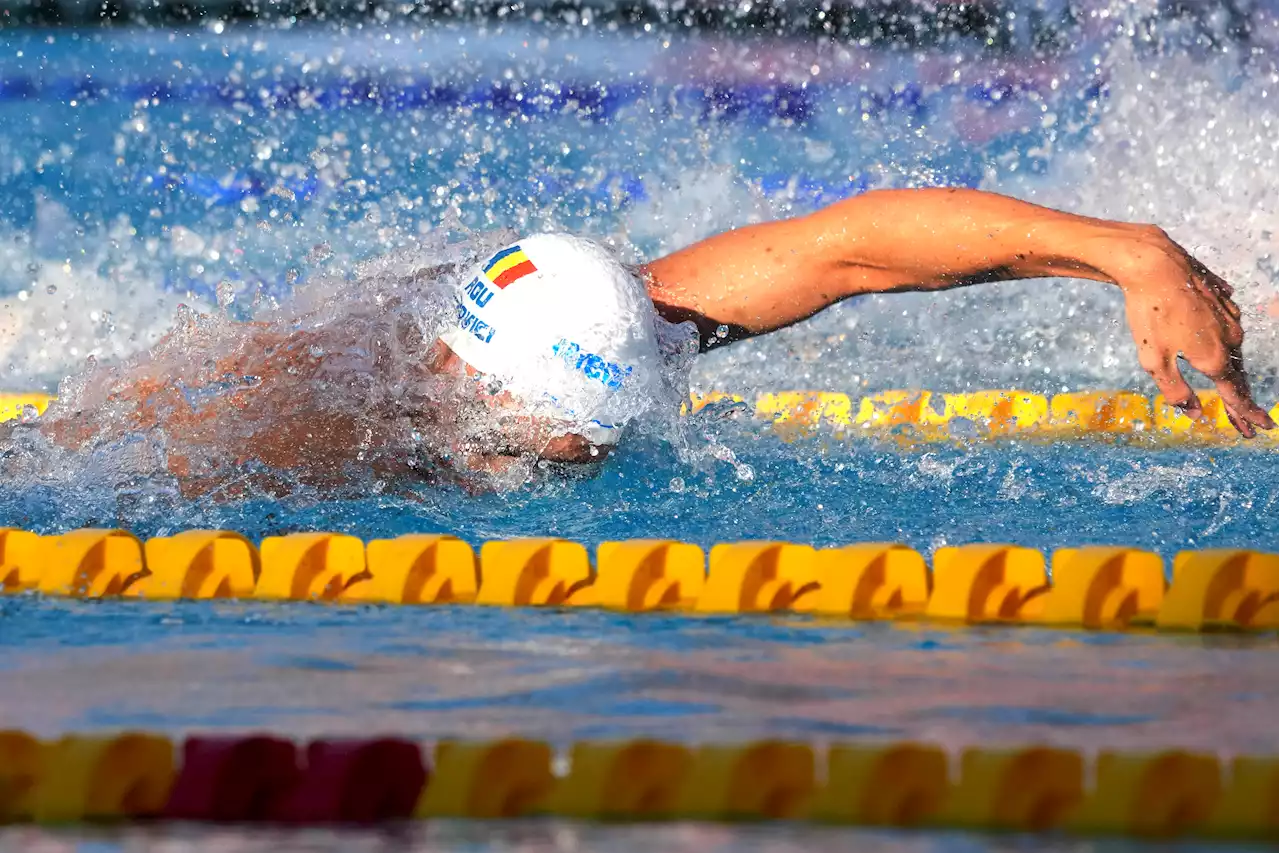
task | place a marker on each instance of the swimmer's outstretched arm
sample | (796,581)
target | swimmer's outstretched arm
(764,277)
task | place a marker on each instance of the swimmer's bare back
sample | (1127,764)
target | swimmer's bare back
(757,279)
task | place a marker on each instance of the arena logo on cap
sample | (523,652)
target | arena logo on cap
(509,265)
(590,365)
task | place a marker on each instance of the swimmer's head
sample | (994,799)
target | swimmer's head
(565,329)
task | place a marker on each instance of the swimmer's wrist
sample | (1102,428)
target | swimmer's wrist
(1131,256)
(1058,246)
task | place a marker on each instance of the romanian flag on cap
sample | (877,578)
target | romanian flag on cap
(507,266)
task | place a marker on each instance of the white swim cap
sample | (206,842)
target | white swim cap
(564,327)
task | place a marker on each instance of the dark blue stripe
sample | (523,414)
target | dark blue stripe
(190,197)
(219,191)
(596,102)
(504,253)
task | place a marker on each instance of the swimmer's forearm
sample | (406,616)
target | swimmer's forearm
(935,239)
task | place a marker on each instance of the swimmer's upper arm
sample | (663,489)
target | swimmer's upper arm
(750,280)
(763,277)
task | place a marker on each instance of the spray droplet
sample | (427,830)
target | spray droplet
(184,317)
(51,289)
(226,293)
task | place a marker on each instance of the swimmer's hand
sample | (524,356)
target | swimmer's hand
(1177,306)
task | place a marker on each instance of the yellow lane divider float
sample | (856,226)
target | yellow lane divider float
(1096,587)
(136,775)
(933,416)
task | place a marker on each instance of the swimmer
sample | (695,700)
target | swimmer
(561,340)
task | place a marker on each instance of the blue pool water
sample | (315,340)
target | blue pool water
(229,168)
(816,490)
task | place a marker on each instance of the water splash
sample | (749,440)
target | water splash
(334,391)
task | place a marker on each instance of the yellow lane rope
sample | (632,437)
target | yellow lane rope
(1093,588)
(939,416)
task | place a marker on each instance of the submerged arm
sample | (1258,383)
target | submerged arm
(763,277)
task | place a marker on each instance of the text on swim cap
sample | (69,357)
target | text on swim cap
(479,294)
(590,365)
(469,322)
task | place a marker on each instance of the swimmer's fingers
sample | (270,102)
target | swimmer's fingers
(1223,364)
(1209,277)
(1158,356)
(1233,388)
(1163,368)
(1216,289)
(1218,356)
